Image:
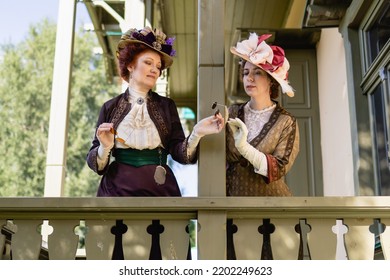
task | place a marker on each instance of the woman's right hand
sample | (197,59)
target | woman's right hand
(104,134)
(209,125)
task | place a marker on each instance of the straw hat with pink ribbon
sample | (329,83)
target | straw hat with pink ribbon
(269,58)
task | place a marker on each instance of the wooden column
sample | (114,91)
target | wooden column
(211,89)
(59,110)
(211,172)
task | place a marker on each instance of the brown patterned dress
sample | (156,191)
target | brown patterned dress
(278,140)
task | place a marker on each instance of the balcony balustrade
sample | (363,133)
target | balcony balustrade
(142,228)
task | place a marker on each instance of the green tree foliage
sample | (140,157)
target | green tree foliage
(90,90)
(26,72)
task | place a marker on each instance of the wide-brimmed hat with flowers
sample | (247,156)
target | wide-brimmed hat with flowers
(153,38)
(269,58)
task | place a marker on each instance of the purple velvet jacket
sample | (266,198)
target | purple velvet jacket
(163,113)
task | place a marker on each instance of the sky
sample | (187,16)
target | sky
(17,15)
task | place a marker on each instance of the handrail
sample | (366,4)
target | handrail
(285,226)
(260,207)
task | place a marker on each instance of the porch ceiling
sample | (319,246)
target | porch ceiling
(293,22)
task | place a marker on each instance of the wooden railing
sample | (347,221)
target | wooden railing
(227,227)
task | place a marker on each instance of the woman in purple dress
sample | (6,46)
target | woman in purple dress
(137,129)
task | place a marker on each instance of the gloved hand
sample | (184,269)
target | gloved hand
(254,156)
(240,133)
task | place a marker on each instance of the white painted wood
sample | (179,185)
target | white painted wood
(63,242)
(211,235)
(321,239)
(26,241)
(137,241)
(335,119)
(247,240)
(211,172)
(134,15)
(359,241)
(285,241)
(99,241)
(174,241)
(59,108)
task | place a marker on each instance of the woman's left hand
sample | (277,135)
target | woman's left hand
(210,125)
(239,131)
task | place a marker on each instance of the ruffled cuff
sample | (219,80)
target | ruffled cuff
(103,156)
(193,142)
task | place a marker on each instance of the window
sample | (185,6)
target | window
(375,85)
(379,33)
(381,139)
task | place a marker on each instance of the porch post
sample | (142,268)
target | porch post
(211,171)
(135,11)
(211,89)
(59,108)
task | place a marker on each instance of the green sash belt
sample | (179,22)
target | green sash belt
(139,158)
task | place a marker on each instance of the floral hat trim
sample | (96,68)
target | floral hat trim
(269,58)
(155,39)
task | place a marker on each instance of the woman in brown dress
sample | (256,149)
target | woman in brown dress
(139,128)
(262,137)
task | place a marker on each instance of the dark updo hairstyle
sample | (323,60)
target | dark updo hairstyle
(275,86)
(128,54)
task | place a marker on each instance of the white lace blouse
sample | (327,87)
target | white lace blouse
(256,119)
(138,130)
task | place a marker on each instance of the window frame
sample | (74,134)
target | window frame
(376,76)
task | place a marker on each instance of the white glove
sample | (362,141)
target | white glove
(240,133)
(254,156)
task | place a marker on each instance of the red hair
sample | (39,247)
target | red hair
(128,54)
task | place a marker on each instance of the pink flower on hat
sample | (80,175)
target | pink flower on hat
(282,69)
(258,52)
